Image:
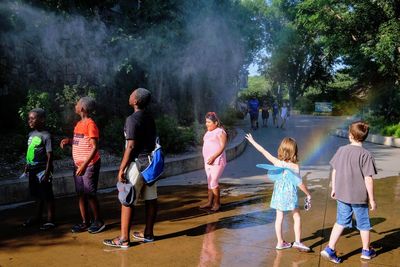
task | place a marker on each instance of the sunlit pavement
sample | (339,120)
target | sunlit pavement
(242,234)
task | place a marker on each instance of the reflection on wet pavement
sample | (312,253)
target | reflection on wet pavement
(241,234)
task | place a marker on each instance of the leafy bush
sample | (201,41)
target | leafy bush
(230,116)
(174,138)
(376,123)
(36,99)
(112,136)
(391,130)
(304,105)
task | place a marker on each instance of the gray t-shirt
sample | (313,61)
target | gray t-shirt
(39,143)
(352,163)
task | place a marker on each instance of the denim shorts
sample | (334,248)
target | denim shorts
(345,212)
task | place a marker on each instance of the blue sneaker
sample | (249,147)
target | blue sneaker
(368,254)
(330,255)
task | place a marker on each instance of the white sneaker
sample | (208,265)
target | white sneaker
(300,246)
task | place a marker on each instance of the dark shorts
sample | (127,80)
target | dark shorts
(43,190)
(253,115)
(86,184)
(264,114)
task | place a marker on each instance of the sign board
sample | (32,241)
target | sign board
(323,107)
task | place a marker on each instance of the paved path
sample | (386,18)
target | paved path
(241,235)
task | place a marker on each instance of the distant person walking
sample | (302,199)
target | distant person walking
(39,165)
(253,107)
(265,114)
(286,179)
(284,115)
(85,153)
(275,113)
(214,156)
(352,188)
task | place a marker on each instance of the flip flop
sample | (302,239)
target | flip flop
(117,244)
(139,236)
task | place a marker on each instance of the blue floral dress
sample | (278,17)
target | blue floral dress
(286,180)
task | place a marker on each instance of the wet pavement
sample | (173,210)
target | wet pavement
(242,234)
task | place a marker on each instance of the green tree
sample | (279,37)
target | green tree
(364,37)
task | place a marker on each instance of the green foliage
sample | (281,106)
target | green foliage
(230,116)
(364,37)
(391,130)
(112,136)
(38,99)
(173,137)
(258,87)
(305,105)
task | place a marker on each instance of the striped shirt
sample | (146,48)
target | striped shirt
(81,146)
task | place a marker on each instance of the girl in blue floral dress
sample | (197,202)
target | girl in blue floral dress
(285,173)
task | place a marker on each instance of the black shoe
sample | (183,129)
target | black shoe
(79,227)
(96,227)
(47,226)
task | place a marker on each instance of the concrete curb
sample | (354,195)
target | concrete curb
(373,138)
(16,190)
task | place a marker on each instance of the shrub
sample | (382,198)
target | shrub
(397,133)
(36,99)
(112,136)
(376,123)
(230,116)
(304,105)
(391,130)
(174,138)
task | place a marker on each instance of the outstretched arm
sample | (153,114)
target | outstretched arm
(266,154)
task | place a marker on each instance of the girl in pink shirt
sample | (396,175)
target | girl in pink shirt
(214,159)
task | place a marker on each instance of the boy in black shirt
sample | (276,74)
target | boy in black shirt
(39,165)
(140,136)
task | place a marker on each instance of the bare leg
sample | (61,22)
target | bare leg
(278,227)
(83,209)
(209,200)
(365,239)
(126,214)
(297,225)
(50,211)
(335,234)
(94,205)
(217,202)
(151,214)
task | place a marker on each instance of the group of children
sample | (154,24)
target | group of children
(352,187)
(352,184)
(86,168)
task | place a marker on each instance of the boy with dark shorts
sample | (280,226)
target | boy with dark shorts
(352,187)
(87,166)
(39,165)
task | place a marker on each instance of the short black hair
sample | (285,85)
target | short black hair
(143,97)
(40,113)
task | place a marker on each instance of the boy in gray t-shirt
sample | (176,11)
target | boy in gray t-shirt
(352,187)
